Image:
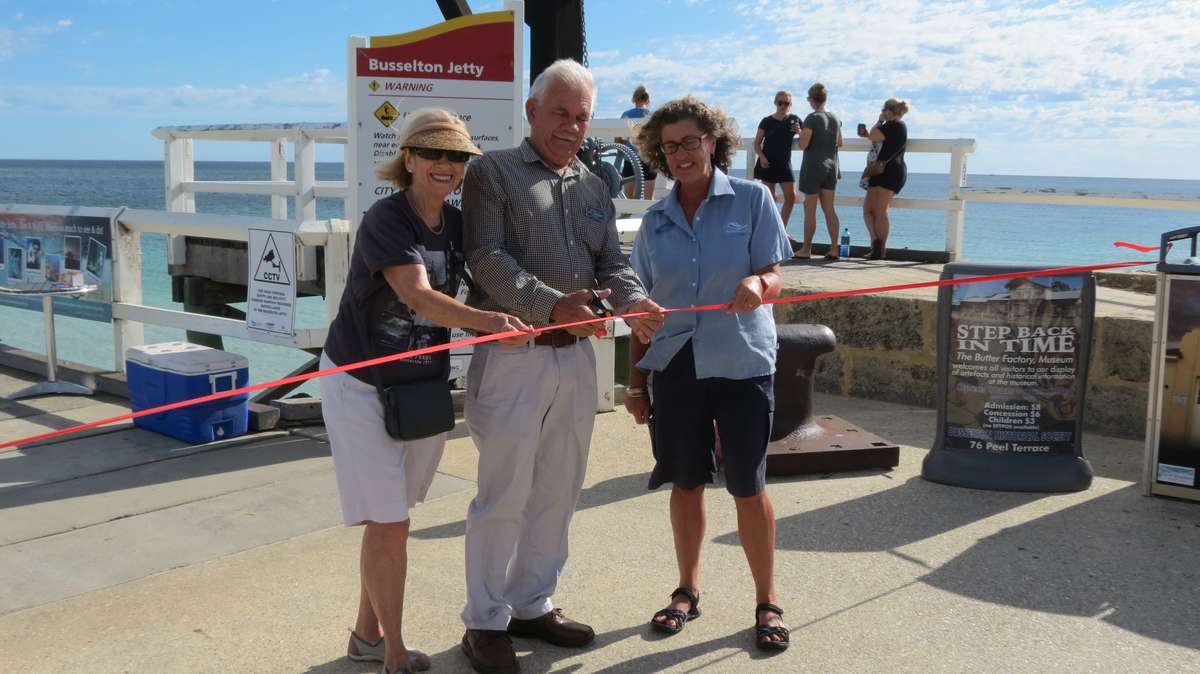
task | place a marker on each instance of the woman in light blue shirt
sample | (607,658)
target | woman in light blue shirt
(712,240)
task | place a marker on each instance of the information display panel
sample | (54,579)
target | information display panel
(54,248)
(1012,373)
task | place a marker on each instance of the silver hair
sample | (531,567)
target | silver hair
(565,71)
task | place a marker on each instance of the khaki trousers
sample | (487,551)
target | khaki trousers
(530,411)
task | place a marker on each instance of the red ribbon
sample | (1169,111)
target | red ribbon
(1140,249)
(1057,271)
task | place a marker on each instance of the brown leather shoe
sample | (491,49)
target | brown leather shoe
(553,628)
(490,652)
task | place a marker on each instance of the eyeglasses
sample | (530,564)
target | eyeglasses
(434,154)
(688,143)
(783,102)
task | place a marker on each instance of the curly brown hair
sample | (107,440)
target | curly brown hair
(711,121)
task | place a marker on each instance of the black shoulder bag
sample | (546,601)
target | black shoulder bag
(423,408)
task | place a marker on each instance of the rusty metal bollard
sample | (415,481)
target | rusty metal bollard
(802,443)
(799,347)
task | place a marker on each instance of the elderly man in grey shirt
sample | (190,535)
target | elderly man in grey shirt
(541,242)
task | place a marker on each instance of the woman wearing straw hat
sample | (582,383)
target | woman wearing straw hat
(399,296)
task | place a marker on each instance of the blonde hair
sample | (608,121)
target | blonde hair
(896,106)
(641,94)
(783,92)
(395,170)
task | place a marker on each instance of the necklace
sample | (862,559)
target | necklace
(441,224)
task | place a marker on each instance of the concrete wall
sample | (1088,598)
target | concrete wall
(887,349)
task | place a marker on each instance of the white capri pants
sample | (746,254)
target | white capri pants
(379,478)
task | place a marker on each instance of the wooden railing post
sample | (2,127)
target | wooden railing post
(179,167)
(305,167)
(956,218)
(127,287)
(279,209)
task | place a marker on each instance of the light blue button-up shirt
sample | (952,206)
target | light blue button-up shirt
(735,232)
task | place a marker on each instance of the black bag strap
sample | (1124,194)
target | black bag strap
(896,153)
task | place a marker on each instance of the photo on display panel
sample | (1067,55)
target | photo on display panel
(16,263)
(33,253)
(72,257)
(95,257)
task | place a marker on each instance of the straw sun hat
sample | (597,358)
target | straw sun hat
(441,135)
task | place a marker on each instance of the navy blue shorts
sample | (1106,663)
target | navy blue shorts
(681,427)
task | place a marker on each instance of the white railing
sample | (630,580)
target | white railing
(181,183)
(129,314)
(181,186)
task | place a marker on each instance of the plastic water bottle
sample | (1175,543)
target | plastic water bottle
(844,249)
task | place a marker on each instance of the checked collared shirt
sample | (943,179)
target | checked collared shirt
(532,235)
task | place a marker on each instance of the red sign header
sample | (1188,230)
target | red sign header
(482,52)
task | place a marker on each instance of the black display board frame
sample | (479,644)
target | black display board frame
(989,466)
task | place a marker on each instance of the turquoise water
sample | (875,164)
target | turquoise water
(993,232)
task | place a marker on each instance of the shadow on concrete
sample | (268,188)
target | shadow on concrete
(599,494)
(1122,558)
(912,511)
(31,480)
(538,658)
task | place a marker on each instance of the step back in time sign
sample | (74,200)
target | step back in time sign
(1012,373)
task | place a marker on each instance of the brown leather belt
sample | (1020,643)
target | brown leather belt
(555,338)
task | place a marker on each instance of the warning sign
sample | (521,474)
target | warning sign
(387,113)
(271,295)
(270,264)
(374,85)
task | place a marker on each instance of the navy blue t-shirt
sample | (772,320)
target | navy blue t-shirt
(371,319)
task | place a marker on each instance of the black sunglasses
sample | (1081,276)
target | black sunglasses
(434,154)
(783,102)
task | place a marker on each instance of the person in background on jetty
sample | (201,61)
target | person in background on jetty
(892,133)
(640,109)
(820,138)
(541,242)
(864,181)
(712,240)
(400,292)
(773,147)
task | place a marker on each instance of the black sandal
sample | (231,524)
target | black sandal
(763,633)
(675,614)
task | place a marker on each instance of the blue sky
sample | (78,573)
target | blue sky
(1069,87)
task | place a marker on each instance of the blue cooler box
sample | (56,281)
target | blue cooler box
(159,374)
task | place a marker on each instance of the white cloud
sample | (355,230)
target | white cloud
(13,40)
(1029,71)
(312,93)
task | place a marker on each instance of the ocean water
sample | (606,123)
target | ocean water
(993,232)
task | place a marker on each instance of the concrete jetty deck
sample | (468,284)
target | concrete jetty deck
(125,551)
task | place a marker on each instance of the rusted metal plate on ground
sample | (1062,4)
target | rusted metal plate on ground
(840,446)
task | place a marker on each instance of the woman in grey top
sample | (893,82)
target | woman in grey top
(820,138)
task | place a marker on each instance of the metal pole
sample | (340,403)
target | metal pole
(51,350)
